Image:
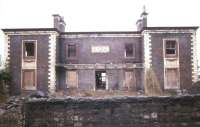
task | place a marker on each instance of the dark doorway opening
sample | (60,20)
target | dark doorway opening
(100,80)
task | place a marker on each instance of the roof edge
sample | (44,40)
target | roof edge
(104,32)
(29,29)
(171,28)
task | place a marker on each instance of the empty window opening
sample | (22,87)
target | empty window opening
(71,50)
(29,80)
(29,49)
(129,50)
(171,78)
(72,79)
(101,78)
(170,47)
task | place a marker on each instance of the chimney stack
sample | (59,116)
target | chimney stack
(59,23)
(142,22)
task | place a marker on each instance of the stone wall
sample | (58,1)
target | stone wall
(11,113)
(181,111)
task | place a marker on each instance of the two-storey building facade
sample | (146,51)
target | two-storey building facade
(50,59)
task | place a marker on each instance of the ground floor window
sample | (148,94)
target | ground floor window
(130,80)
(72,79)
(29,80)
(101,78)
(171,78)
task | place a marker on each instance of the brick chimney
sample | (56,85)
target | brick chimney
(59,23)
(142,22)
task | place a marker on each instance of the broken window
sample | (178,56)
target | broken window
(71,50)
(170,47)
(129,50)
(72,79)
(29,80)
(29,49)
(171,78)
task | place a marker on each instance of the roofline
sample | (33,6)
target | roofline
(136,32)
(104,32)
(172,28)
(29,29)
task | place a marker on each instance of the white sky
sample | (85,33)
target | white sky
(97,15)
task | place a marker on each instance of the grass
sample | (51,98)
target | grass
(107,93)
(98,93)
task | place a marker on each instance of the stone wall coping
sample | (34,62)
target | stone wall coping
(111,99)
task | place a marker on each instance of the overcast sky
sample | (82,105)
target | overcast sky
(97,15)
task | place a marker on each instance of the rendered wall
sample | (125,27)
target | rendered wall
(184,42)
(16,61)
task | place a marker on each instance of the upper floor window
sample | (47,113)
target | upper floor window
(170,47)
(29,49)
(129,50)
(71,50)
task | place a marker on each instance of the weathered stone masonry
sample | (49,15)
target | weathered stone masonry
(114,112)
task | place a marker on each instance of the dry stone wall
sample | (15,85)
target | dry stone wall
(182,111)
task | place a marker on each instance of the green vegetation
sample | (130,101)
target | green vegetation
(5,81)
(195,88)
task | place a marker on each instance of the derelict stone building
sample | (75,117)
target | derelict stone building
(51,59)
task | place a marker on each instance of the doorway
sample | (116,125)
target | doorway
(101,78)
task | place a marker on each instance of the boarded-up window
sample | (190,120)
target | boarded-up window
(72,79)
(129,50)
(29,80)
(171,79)
(130,80)
(29,49)
(71,50)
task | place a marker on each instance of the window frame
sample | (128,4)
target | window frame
(133,48)
(176,48)
(24,50)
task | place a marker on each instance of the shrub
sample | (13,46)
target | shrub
(5,81)
(195,88)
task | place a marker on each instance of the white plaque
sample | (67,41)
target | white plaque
(100,49)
